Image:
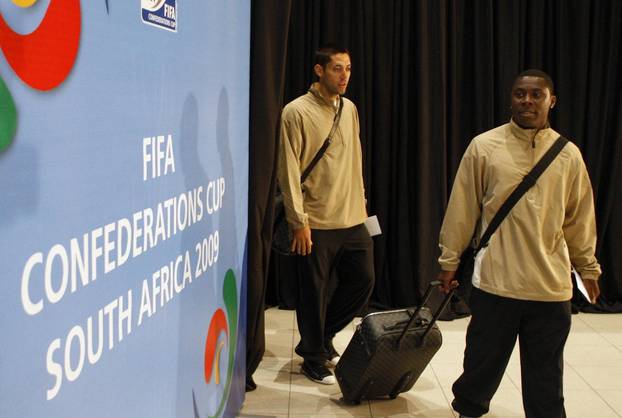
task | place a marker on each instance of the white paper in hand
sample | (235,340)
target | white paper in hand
(581,286)
(372,225)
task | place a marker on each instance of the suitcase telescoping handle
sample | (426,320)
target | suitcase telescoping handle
(438,312)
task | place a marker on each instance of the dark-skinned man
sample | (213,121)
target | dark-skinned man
(521,282)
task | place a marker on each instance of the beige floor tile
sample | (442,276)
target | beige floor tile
(308,397)
(279,343)
(586,337)
(613,337)
(425,399)
(244,415)
(586,403)
(455,325)
(271,395)
(601,377)
(446,375)
(280,319)
(454,332)
(507,402)
(305,404)
(453,337)
(427,380)
(398,415)
(341,340)
(325,415)
(613,399)
(449,353)
(513,374)
(578,323)
(515,357)
(273,379)
(276,364)
(584,330)
(593,355)
(603,322)
(573,380)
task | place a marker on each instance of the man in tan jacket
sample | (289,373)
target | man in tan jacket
(521,281)
(326,213)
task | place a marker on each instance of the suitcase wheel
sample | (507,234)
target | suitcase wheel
(400,386)
(356,401)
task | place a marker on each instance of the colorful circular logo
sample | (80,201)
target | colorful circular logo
(42,59)
(226,325)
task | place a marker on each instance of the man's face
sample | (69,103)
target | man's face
(334,77)
(531,102)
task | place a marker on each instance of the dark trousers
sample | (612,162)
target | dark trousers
(542,329)
(335,282)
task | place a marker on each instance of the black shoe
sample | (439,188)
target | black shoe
(456,309)
(447,314)
(318,373)
(460,308)
(250,384)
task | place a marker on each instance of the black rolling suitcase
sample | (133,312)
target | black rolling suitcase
(389,351)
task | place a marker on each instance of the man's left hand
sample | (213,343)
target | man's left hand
(592,289)
(301,244)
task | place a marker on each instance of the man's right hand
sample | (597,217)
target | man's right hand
(448,281)
(301,244)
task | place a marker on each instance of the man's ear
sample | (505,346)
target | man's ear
(317,68)
(553,101)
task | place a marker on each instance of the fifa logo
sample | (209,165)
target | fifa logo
(160,13)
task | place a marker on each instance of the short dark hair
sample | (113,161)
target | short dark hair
(324,53)
(537,73)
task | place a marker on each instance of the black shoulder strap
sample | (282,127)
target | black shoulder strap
(528,181)
(325,145)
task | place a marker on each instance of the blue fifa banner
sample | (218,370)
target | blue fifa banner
(123,209)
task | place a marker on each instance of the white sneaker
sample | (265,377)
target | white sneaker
(333,361)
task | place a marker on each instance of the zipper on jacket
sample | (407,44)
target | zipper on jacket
(533,139)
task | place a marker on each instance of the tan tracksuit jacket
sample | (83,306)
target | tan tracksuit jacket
(551,227)
(334,194)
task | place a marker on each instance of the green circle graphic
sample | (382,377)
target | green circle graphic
(8,116)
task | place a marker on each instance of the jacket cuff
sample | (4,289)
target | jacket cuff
(449,266)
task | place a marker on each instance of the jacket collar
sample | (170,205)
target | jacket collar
(529,135)
(314,90)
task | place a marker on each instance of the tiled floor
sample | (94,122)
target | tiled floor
(592,378)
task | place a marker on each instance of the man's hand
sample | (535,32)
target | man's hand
(302,243)
(447,280)
(592,289)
